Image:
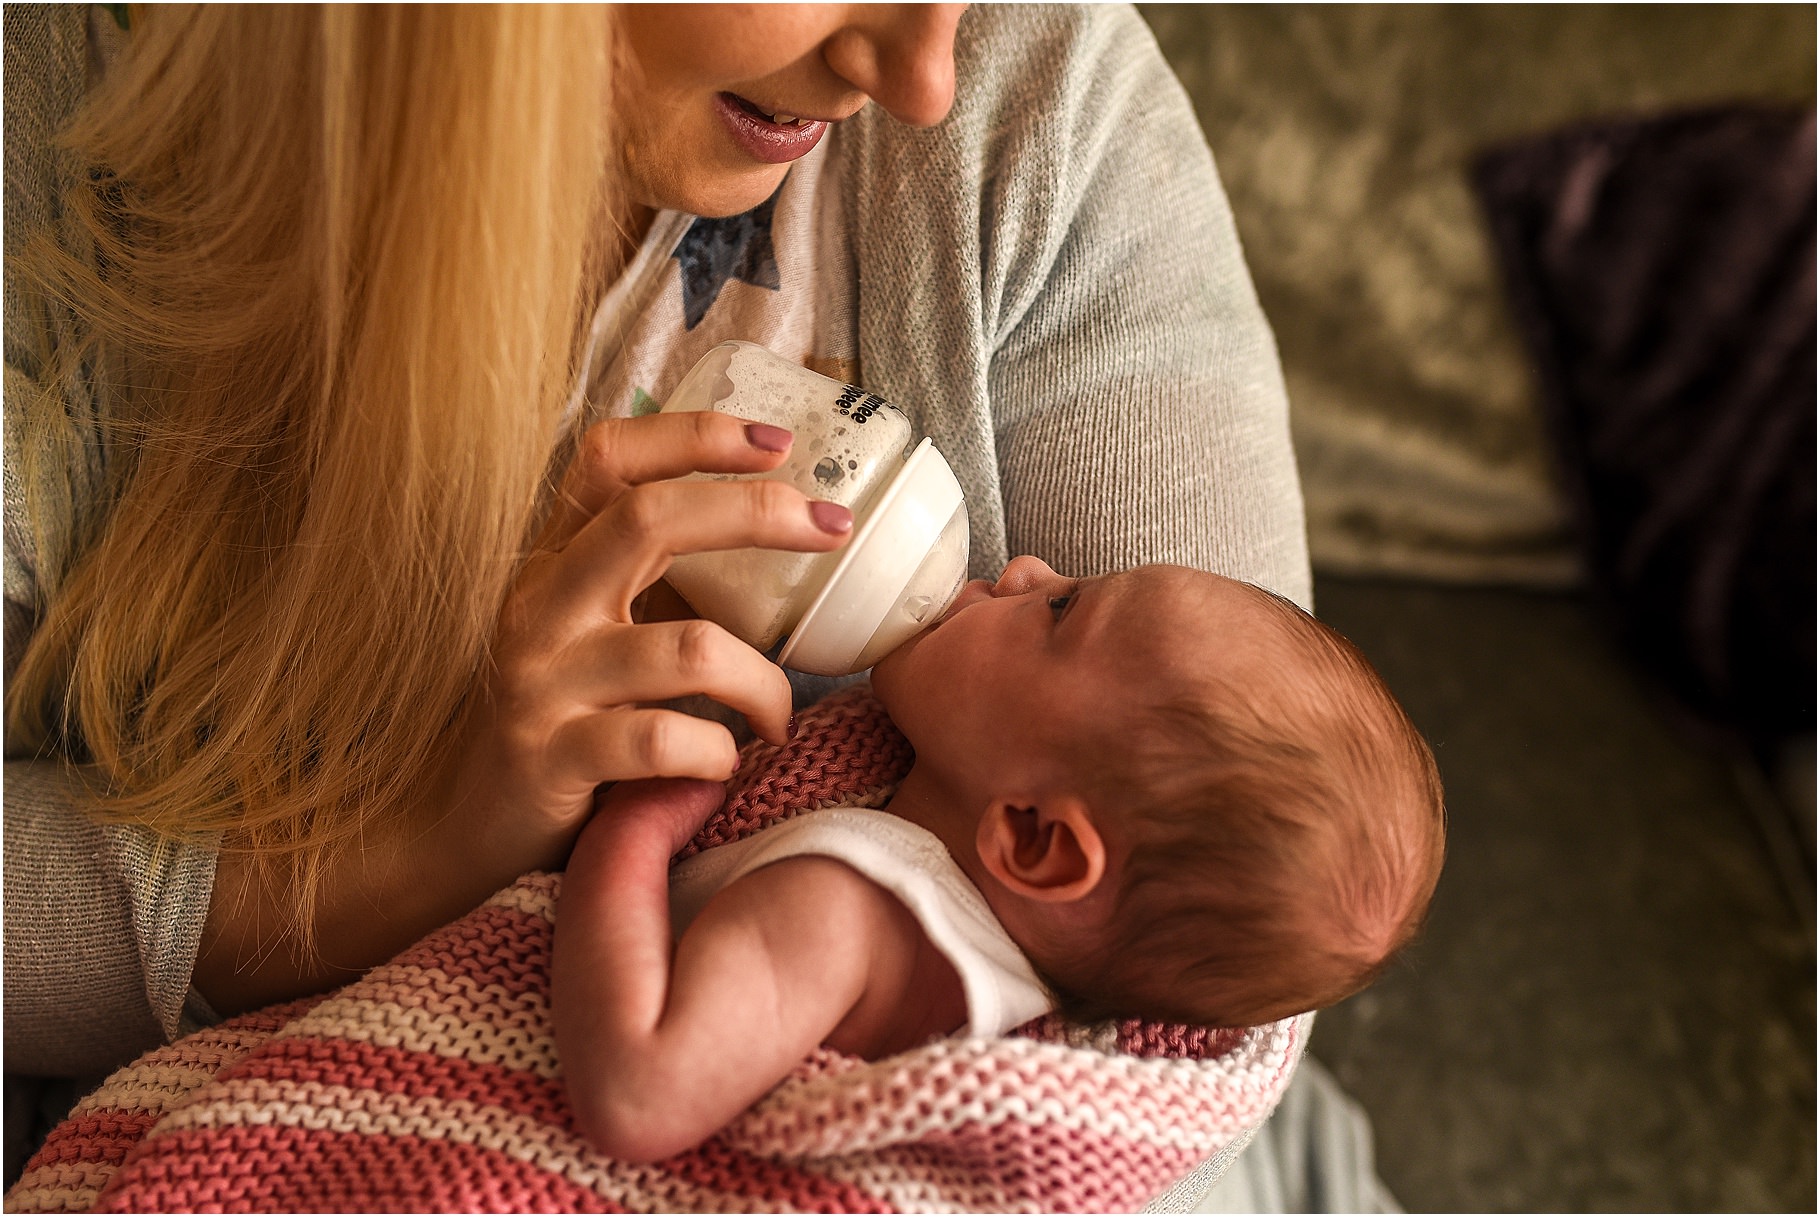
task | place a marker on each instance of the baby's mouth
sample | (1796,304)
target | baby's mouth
(963,600)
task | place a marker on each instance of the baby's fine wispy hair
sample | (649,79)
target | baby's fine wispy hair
(1285,844)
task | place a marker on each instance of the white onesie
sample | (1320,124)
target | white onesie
(912,864)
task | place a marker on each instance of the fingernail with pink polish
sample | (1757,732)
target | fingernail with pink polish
(831,517)
(767,438)
(790,728)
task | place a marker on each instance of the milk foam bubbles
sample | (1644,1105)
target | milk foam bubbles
(907,556)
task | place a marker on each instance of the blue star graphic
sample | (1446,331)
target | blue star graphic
(714,251)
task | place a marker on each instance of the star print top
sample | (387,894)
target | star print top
(780,275)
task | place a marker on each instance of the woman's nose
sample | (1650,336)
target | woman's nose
(902,56)
(1024,574)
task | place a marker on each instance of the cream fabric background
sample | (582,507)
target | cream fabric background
(1344,135)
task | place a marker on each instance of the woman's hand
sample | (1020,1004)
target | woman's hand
(564,705)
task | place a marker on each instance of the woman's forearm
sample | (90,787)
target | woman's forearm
(378,897)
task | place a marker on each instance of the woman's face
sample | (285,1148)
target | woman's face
(701,98)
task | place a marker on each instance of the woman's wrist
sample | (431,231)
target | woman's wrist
(408,873)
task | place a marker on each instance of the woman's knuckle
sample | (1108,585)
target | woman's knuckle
(641,511)
(525,735)
(696,645)
(710,426)
(511,687)
(598,444)
(771,503)
(657,741)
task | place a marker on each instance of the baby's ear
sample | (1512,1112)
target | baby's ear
(1050,851)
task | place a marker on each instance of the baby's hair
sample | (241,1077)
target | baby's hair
(1286,842)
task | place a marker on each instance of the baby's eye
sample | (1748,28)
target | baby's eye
(1059,605)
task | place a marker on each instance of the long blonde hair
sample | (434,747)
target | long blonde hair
(342,258)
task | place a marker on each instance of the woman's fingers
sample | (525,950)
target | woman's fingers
(628,546)
(637,742)
(670,659)
(573,677)
(623,452)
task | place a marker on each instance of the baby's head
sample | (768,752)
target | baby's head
(1188,799)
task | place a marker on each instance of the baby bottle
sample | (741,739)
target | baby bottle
(907,556)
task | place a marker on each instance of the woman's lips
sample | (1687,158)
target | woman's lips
(769,142)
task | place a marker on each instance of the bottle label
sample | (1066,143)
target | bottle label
(858,405)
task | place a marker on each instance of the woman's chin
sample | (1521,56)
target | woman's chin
(717,193)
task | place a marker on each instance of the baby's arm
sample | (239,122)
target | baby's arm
(659,1053)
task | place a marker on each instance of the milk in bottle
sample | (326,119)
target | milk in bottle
(906,558)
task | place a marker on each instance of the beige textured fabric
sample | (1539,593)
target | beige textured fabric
(102,923)
(1346,132)
(1080,337)
(1049,284)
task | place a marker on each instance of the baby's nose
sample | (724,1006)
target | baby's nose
(1024,574)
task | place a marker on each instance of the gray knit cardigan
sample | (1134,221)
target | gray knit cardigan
(1049,283)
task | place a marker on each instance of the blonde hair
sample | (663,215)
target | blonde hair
(342,260)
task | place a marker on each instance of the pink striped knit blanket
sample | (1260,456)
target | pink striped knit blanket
(431,1084)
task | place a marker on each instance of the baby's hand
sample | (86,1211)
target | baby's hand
(680,805)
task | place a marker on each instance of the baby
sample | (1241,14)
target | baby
(1158,794)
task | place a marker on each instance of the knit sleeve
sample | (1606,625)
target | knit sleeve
(1136,387)
(1052,282)
(102,923)
(102,928)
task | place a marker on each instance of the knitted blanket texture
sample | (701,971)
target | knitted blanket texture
(431,1084)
